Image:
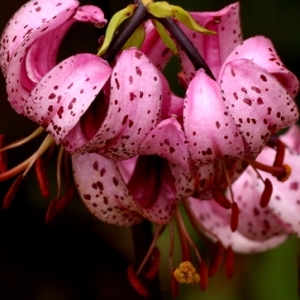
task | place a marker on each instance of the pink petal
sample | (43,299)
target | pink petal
(261,51)
(215,222)
(285,201)
(103,190)
(292,138)
(33,17)
(90,14)
(133,110)
(153,188)
(64,94)
(255,222)
(208,124)
(214,48)
(154,47)
(258,103)
(167,140)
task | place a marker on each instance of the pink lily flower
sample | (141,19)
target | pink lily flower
(259,228)
(251,99)
(31,40)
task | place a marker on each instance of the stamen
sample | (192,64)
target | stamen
(216,259)
(203,275)
(136,283)
(154,266)
(282,172)
(221,199)
(12,192)
(3,164)
(234,219)
(21,142)
(158,231)
(266,194)
(186,273)
(58,204)
(229,262)
(58,170)
(280,151)
(185,238)
(41,175)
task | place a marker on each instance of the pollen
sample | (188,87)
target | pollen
(186,273)
(287,173)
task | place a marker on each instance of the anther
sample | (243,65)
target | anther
(234,219)
(12,192)
(216,259)
(58,204)
(154,264)
(41,175)
(266,194)
(221,199)
(136,283)
(3,164)
(229,262)
(203,272)
(285,174)
(186,273)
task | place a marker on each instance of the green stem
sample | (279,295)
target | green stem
(123,35)
(186,45)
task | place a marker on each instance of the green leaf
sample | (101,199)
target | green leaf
(160,9)
(165,36)
(163,9)
(185,18)
(136,39)
(114,24)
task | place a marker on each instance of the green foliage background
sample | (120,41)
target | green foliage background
(78,257)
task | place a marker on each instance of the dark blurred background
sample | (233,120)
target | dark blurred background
(77,257)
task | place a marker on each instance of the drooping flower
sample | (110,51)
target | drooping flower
(139,151)
(259,228)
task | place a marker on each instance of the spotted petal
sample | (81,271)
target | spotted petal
(261,51)
(209,126)
(33,53)
(213,48)
(214,220)
(103,189)
(65,93)
(259,104)
(134,108)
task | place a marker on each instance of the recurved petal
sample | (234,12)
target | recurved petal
(214,48)
(64,94)
(167,140)
(261,51)
(258,103)
(210,129)
(134,109)
(32,19)
(285,200)
(90,14)
(215,222)
(103,189)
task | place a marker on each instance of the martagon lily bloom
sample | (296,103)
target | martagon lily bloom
(137,149)
(259,228)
